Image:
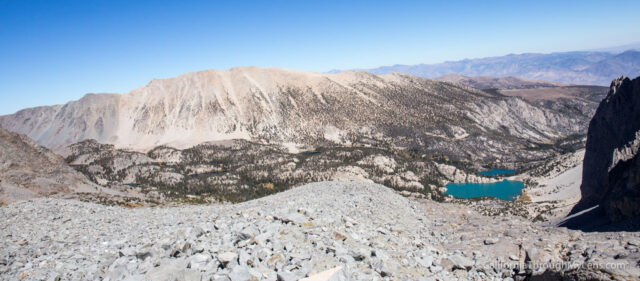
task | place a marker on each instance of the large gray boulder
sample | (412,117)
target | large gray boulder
(611,173)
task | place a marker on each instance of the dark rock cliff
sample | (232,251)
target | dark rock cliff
(611,173)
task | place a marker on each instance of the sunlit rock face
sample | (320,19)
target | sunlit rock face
(301,109)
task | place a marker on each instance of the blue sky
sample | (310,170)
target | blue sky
(55,51)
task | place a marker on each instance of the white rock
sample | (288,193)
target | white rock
(333,274)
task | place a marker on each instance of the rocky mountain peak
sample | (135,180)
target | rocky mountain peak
(283,106)
(616,83)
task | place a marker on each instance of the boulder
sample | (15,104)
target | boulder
(286,276)
(239,273)
(460,262)
(199,261)
(228,258)
(490,241)
(293,217)
(333,274)
(189,275)
(169,270)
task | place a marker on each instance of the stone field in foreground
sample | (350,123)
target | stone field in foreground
(357,231)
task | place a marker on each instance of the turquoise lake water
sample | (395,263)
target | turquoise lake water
(497,172)
(505,190)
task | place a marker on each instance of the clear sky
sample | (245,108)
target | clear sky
(55,51)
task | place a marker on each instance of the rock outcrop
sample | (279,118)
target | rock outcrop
(28,170)
(611,174)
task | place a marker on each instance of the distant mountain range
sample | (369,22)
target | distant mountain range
(306,109)
(580,68)
(503,83)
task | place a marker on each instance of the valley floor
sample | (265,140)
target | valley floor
(360,231)
(551,188)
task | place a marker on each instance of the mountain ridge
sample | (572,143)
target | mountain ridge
(577,67)
(29,170)
(487,82)
(307,109)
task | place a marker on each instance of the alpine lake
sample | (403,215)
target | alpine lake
(505,189)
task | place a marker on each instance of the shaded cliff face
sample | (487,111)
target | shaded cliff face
(611,174)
